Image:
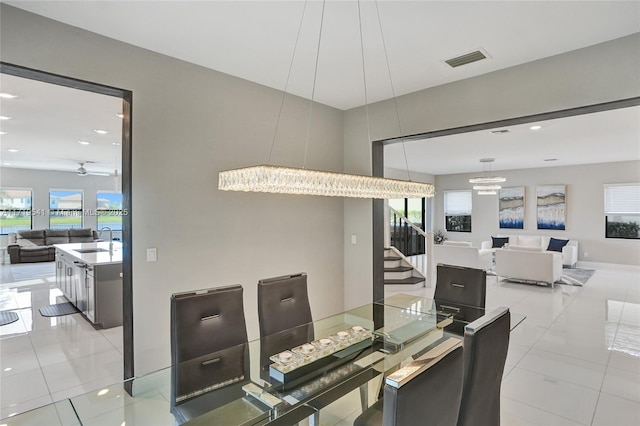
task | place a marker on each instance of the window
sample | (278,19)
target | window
(622,210)
(15,210)
(65,209)
(109,209)
(457,211)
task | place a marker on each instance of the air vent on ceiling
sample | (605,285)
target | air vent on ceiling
(499,132)
(468,58)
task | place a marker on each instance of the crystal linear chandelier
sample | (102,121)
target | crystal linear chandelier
(301,181)
(286,180)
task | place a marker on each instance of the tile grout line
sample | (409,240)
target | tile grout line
(543,410)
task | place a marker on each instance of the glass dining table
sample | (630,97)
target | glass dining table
(279,380)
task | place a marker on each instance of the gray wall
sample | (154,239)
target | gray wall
(41,181)
(584,207)
(189,123)
(600,73)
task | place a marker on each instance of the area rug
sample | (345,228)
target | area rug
(58,310)
(7,317)
(575,276)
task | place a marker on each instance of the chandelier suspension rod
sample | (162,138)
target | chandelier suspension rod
(393,91)
(286,84)
(313,90)
(364,79)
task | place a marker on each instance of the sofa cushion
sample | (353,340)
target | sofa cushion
(37,254)
(556,244)
(81,235)
(530,240)
(525,248)
(498,242)
(457,243)
(56,236)
(29,238)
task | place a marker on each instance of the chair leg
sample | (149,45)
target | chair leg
(364,396)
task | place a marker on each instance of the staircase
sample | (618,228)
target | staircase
(399,273)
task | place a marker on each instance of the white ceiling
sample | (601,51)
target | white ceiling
(254,40)
(601,137)
(47,122)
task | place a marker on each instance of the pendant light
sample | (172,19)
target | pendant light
(302,181)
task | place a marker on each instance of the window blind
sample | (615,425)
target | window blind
(457,203)
(622,198)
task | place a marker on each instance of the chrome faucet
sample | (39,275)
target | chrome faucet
(110,237)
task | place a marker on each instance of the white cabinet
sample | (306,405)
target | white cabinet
(65,279)
(95,289)
(90,311)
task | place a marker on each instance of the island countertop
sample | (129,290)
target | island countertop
(93,253)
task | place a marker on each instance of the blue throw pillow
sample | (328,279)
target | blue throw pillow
(556,245)
(498,242)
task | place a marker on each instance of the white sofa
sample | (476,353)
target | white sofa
(527,264)
(461,253)
(569,252)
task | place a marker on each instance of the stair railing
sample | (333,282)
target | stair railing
(406,236)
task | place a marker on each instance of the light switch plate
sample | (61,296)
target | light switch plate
(152,254)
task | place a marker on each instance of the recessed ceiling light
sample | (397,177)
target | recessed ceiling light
(8,369)
(101,132)
(6,163)
(3,133)
(550,159)
(13,150)
(536,127)
(8,95)
(103,392)
(84,143)
(115,143)
(120,115)
(4,117)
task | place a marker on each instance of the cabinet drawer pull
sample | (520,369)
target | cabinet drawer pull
(457,285)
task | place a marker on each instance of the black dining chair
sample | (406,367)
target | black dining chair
(486,342)
(284,316)
(429,396)
(283,304)
(209,350)
(461,285)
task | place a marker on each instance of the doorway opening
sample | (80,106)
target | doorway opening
(124,186)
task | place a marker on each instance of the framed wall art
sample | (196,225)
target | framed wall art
(551,210)
(511,208)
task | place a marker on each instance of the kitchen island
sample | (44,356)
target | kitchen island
(90,277)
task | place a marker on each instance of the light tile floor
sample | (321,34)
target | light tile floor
(575,360)
(43,360)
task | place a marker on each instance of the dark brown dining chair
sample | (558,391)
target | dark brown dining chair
(209,350)
(486,342)
(429,396)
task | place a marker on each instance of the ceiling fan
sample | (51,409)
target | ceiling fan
(83,172)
